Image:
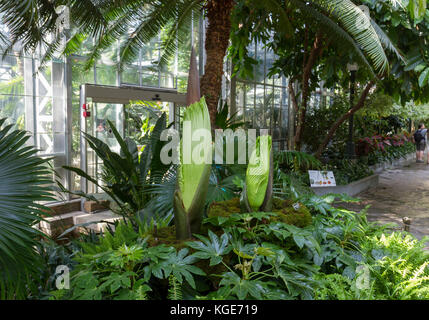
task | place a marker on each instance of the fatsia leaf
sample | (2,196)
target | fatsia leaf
(213,248)
(180,265)
(242,288)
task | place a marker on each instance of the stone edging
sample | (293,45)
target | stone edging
(377,168)
(350,189)
(358,186)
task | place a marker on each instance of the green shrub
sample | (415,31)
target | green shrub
(347,171)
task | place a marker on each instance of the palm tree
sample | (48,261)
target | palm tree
(24,184)
(136,22)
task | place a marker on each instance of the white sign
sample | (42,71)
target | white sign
(321,178)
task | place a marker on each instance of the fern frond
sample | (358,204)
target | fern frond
(141,293)
(174,289)
(296,160)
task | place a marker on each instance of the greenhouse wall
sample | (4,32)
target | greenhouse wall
(45,101)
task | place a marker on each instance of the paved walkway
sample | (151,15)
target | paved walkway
(402,192)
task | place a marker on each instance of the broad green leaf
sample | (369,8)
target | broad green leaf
(180,265)
(423,78)
(242,288)
(263,251)
(213,248)
(417,8)
(242,254)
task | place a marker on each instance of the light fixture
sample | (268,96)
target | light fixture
(352,67)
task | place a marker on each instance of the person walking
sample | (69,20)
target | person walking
(420,141)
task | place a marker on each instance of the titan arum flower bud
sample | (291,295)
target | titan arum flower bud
(194,172)
(195,160)
(258,188)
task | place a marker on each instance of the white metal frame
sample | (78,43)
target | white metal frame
(120,95)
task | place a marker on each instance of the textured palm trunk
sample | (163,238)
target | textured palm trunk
(217,41)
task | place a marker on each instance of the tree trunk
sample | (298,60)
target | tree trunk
(217,41)
(316,51)
(343,118)
(295,107)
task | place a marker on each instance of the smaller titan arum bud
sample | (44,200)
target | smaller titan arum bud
(258,189)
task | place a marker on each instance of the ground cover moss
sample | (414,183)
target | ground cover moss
(285,211)
(167,236)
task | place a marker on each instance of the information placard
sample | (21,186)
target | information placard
(321,178)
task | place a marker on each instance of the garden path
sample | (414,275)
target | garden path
(402,192)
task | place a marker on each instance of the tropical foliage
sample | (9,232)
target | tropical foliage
(255,256)
(238,233)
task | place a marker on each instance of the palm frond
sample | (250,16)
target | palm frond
(179,30)
(347,15)
(334,32)
(172,16)
(385,40)
(24,184)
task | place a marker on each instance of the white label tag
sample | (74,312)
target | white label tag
(321,178)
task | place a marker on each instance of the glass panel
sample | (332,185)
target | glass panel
(11,75)
(285,112)
(277,114)
(100,129)
(106,74)
(167,80)
(182,83)
(141,116)
(44,77)
(260,109)
(239,100)
(260,67)
(150,53)
(269,61)
(279,80)
(13,108)
(150,78)
(79,77)
(250,104)
(268,106)
(131,75)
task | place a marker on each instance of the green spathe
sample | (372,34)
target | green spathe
(194,171)
(195,156)
(258,172)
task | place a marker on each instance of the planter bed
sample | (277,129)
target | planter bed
(410,158)
(350,189)
(361,185)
